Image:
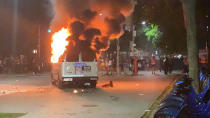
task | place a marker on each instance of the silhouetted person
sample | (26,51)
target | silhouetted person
(153,63)
(161,64)
(35,65)
(166,65)
(186,66)
(170,66)
(1,66)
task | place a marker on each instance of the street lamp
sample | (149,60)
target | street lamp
(101,14)
(35,51)
(143,22)
(49,30)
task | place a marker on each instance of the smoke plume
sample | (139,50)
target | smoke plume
(92,23)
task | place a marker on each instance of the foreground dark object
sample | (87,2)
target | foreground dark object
(183,102)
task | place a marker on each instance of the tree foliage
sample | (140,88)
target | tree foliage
(153,33)
(169,16)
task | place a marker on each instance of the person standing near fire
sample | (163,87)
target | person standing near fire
(186,66)
(203,62)
(153,63)
(35,65)
(110,66)
(107,66)
(1,66)
(135,65)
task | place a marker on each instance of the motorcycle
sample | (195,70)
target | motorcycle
(184,102)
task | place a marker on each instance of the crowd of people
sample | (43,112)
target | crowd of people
(19,64)
(165,64)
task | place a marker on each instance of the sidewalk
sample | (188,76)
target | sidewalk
(23,74)
(140,73)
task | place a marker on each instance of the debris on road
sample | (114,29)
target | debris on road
(141,94)
(71,114)
(110,84)
(75,91)
(147,110)
(5,92)
(7,89)
(114,98)
(89,105)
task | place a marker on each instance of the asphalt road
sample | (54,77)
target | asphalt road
(130,97)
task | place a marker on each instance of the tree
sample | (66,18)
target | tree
(189,7)
(167,14)
(142,41)
(153,33)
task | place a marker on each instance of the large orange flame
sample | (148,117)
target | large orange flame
(59,44)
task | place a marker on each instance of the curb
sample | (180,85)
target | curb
(151,111)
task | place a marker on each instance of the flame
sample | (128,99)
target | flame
(59,44)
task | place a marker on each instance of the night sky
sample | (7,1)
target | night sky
(203,20)
(32,13)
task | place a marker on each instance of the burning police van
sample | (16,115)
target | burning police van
(74,74)
(72,64)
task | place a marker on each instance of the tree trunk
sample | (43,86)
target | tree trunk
(189,7)
(208,45)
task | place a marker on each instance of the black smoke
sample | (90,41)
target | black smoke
(92,23)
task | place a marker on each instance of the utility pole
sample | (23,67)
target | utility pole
(39,41)
(15,28)
(133,38)
(14,32)
(134,2)
(39,48)
(118,56)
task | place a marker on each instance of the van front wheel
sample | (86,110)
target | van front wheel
(93,84)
